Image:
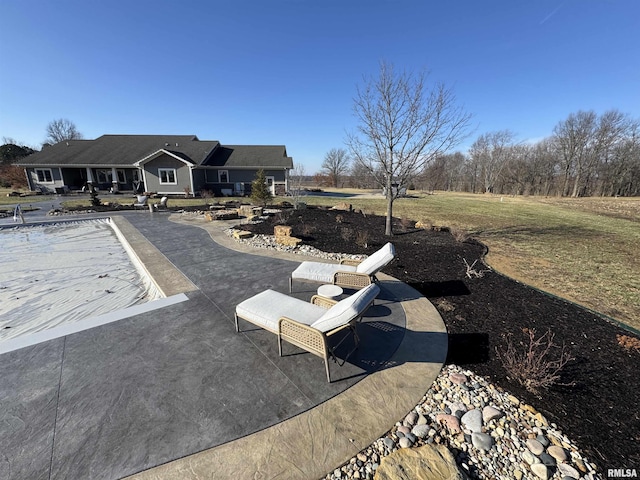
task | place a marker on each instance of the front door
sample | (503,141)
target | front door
(271,183)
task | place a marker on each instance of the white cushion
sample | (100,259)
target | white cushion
(346,310)
(320,272)
(266,308)
(142,199)
(378,260)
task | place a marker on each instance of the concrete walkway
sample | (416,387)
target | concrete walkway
(177,393)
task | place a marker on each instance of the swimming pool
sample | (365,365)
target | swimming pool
(55,274)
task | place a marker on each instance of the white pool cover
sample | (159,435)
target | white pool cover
(56,274)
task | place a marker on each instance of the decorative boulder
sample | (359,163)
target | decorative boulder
(431,462)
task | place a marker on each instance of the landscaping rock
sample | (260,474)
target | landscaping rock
(472,420)
(481,441)
(347,207)
(540,471)
(431,462)
(490,413)
(535,446)
(242,234)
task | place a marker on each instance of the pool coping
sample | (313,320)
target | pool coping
(315,442)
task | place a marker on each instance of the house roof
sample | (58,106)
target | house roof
(120,150)
(250,156)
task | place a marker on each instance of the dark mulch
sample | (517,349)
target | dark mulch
(599,411)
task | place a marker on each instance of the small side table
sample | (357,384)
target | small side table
(330,291)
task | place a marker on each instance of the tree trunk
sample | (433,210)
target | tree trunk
(388,229)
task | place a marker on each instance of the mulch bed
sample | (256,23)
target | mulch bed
(597,403)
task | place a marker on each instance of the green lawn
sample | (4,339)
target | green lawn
(584,250)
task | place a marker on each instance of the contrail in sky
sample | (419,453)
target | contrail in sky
(552,13)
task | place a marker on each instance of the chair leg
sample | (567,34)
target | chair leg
(290,284)
(236,317)
(279,345)
(326,366)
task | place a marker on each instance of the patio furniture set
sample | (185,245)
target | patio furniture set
(312,325)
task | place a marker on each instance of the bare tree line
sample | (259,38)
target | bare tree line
(586,155)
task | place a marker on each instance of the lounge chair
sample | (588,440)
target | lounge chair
(307,325)
(162,205)
(141,201)
(349,273)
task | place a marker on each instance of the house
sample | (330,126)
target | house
(164,164)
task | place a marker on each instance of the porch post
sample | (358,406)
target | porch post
(89,176)
(114,180)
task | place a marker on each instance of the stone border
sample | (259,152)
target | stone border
(169,279)
(317,441)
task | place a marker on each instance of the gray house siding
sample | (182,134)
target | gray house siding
(50,179)
(159,179)
(239,181)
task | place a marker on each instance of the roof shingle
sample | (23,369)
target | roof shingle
(125,150)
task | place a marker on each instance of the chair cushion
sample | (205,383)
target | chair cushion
(320,272)
(266,308)
(346,310)
(375,262)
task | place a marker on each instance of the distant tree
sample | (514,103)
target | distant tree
(402,124)
(12,176)
(260,193)
(491,152)
(361,177)
(61,130)
(586,144)
(10,152)
(335,164)
(322,180)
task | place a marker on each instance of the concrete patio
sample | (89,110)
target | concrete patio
(177,393)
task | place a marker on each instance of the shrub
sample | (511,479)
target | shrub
(472,272)
(532,363)
(206,194)
(459,235)
(628,343)
(362,238)
(93,194)
(307,230)
(406,223)
(260,193)
(346,233)
(281,217)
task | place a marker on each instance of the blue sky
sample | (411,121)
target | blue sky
(286,71)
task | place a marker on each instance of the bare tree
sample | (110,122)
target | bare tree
(360,176)
(402,124)
(61,130)
(586,142)
(296,179)
(572,137)
(492,151)
(335,164)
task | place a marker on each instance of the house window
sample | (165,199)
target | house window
(223,176)
(136,175)
(167,176)
(104,176)
(44,175)
(122,178)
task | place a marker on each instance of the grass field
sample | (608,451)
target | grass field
(585,250)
